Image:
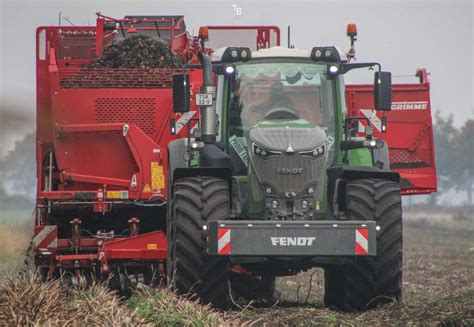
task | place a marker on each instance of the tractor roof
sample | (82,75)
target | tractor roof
(275,52)
(280,52)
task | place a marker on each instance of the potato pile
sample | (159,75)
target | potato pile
(129,63)
(138,52)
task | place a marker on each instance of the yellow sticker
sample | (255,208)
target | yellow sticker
(113,194)
(147,189)
(152,246)
(117,194)
(157,176)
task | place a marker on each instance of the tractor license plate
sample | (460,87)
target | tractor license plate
(305,238)
(204,99)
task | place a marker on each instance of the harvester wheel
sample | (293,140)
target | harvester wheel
(197,201)
(370,281)
(261,288)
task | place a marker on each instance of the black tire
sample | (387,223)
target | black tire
(261,288)
(370,281)
(197,201)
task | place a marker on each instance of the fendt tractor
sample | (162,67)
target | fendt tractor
(250,162)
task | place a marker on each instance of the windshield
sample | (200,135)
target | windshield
(280,90)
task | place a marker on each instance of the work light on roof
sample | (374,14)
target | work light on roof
(233,54)
(329,54)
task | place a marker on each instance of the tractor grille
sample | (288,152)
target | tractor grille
(281,139)
(266,170)
(139,111)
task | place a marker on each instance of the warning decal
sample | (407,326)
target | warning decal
(157,176)
(362,241)
(45,237)
(223,242)
(147,189)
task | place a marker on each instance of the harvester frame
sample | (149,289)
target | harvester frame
(101,149)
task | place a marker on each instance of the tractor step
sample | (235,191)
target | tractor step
(292,238)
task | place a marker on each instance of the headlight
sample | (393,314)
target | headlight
(260,152)
(304,204)
(319,151)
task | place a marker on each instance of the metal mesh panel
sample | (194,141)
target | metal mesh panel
(139,111)
(98,78)
(403,158)
(78,44)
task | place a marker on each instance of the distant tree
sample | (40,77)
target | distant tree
(18,168)
(432,199)
(462,161)
(444,133)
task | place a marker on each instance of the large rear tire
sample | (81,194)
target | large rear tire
(370,281)
(196,202)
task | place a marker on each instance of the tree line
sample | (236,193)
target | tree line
(454,153)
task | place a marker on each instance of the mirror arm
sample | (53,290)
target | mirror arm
(350,66)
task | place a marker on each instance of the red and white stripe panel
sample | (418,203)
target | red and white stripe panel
(182,121)
(361,241)
(46,237)
(223,241)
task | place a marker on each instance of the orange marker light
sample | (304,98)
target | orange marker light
(131,29)
(351,30)
(203,33)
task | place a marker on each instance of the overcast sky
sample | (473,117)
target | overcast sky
(401,35)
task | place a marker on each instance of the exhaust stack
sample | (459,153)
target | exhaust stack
(208,120)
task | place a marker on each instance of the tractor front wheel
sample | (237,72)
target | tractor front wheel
(369,281)
(196,202)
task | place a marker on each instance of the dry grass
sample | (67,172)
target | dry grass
(25,301)
(163,307)
(14,240)
(457,220)
(97,305)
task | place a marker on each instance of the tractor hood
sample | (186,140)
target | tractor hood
(289,136)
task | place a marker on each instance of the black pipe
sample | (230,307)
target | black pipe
(206,69)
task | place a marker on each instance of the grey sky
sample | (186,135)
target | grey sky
(401,35)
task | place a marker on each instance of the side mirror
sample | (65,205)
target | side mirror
(181,93)
(383,91)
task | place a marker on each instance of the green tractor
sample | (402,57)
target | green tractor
(277,180)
